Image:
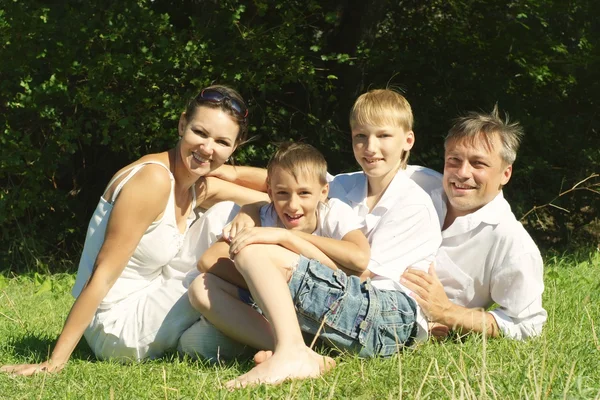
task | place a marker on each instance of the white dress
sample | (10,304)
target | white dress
(147,309)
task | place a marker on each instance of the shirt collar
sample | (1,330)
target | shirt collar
(358,194)
(492,214)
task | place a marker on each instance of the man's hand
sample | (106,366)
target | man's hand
(257,235)
(429,293)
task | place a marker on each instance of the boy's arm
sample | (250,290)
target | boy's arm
(352,252)
(282,237)
(250,177)
(216,261)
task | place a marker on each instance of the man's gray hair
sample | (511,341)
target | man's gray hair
(475,126)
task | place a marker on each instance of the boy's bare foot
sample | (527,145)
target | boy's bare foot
(262,356)
(282,365)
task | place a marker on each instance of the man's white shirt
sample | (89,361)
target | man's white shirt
(487,257)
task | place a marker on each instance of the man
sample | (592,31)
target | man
(486,256)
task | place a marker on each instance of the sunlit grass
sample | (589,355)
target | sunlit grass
(564,362)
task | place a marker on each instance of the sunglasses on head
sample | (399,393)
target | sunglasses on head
(214,96)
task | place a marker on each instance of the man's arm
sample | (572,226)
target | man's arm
(516,287)
(429,293)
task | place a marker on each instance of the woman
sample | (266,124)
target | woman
(127,306)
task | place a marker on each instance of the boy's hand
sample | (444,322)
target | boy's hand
(257,235)
(239,223)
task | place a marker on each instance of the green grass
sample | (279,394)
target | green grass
(564,362)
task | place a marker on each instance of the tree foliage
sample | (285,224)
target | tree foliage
(87,87)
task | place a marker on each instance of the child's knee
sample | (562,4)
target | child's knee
(247,256)
(198,292)
(203,263)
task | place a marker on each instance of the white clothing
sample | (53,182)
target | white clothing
(202,235)
(334,219)
(403,229)
(202,339)
(144,312)
(487,257)
(428,179)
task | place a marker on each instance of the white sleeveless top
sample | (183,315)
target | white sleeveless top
(160,244)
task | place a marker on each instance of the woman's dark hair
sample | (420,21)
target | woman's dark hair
(230,102)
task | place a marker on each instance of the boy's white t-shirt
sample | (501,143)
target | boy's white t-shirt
(334,219)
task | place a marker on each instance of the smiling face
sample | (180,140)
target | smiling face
(474,174)
(379,149)
(296,200)
(207,140)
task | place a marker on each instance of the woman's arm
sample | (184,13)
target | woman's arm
(140,202)
(249,177)
(210,191)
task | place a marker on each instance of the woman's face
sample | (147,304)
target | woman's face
(208,139)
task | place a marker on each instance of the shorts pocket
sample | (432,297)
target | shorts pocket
(321,288)
(391,338)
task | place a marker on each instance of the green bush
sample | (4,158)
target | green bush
(87,87)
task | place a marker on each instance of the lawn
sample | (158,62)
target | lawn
(564,362)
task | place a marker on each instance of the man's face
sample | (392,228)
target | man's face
(474,174)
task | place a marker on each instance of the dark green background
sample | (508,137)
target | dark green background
(88,86)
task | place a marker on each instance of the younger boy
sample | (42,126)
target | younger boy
(317,228)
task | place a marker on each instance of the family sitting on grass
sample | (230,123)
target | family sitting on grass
(366,262)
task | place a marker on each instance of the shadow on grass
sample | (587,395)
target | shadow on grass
(40,347)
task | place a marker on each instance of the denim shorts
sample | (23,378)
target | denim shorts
(358,318)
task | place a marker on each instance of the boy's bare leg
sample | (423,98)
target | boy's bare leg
(219,302)
(265,272)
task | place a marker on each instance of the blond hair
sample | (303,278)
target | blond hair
(299,159)
(476,126)
(381,107)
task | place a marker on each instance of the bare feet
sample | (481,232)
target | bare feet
(262,356)
(282,365)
